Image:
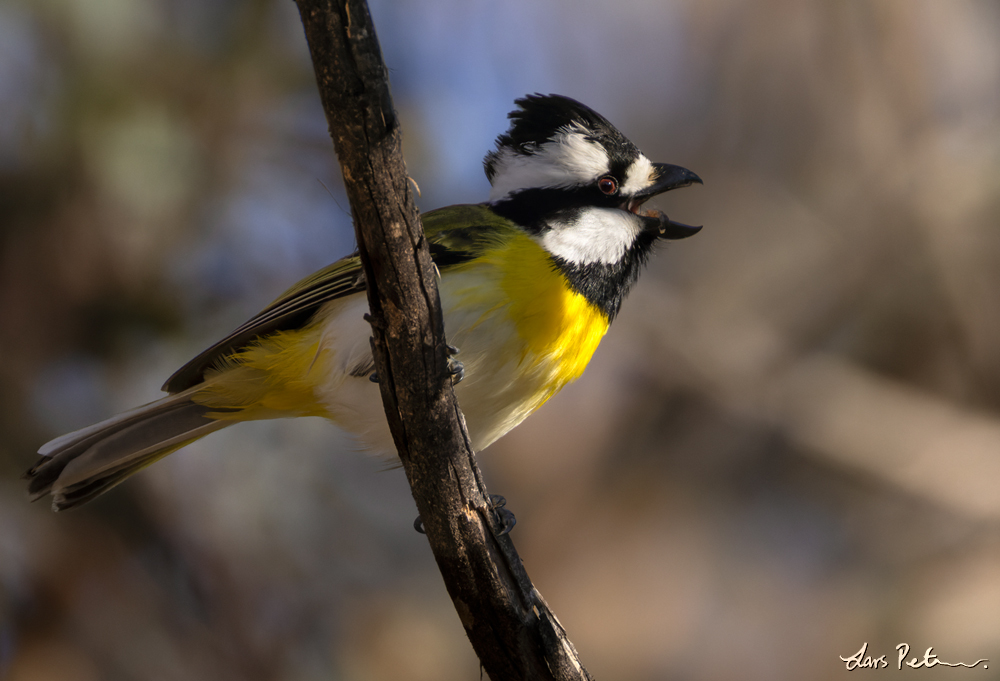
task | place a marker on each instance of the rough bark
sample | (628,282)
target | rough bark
(512,630)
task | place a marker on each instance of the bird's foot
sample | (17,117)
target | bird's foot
(455,368)
(505,518)
(457,371)
(497,504)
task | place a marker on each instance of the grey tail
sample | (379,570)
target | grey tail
(79,466)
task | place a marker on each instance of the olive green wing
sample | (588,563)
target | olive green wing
(455,234)
(291,310)
(458,234)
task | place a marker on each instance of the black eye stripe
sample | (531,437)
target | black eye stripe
(533,208)
(618,167)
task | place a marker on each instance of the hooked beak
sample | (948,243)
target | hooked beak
(668,177)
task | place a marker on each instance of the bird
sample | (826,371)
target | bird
(530,281)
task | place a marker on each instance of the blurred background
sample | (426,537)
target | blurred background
(788,445)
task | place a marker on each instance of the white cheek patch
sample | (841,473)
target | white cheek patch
(569,159)
(638,176)
(598,235)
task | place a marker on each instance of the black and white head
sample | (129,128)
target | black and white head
(577,185)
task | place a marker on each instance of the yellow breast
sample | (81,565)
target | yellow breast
(558,325)
(557,330)
(523,333)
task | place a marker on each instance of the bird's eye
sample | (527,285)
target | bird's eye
(607,184)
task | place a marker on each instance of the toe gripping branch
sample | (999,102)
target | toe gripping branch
(455,368)
(504,518)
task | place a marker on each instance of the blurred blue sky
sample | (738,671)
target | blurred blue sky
(787,442)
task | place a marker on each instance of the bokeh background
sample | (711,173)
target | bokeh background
(788,445)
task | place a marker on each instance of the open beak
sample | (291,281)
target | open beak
(668,177)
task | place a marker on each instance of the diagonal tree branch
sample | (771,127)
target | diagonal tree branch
(512,630)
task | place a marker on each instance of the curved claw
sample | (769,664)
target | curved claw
(505,518)
(457,371)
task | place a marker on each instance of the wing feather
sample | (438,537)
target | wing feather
(456,234)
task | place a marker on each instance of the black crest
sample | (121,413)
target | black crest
(539,118)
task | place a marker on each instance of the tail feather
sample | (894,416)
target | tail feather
(76,467)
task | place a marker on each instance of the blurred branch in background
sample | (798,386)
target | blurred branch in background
(786,442)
